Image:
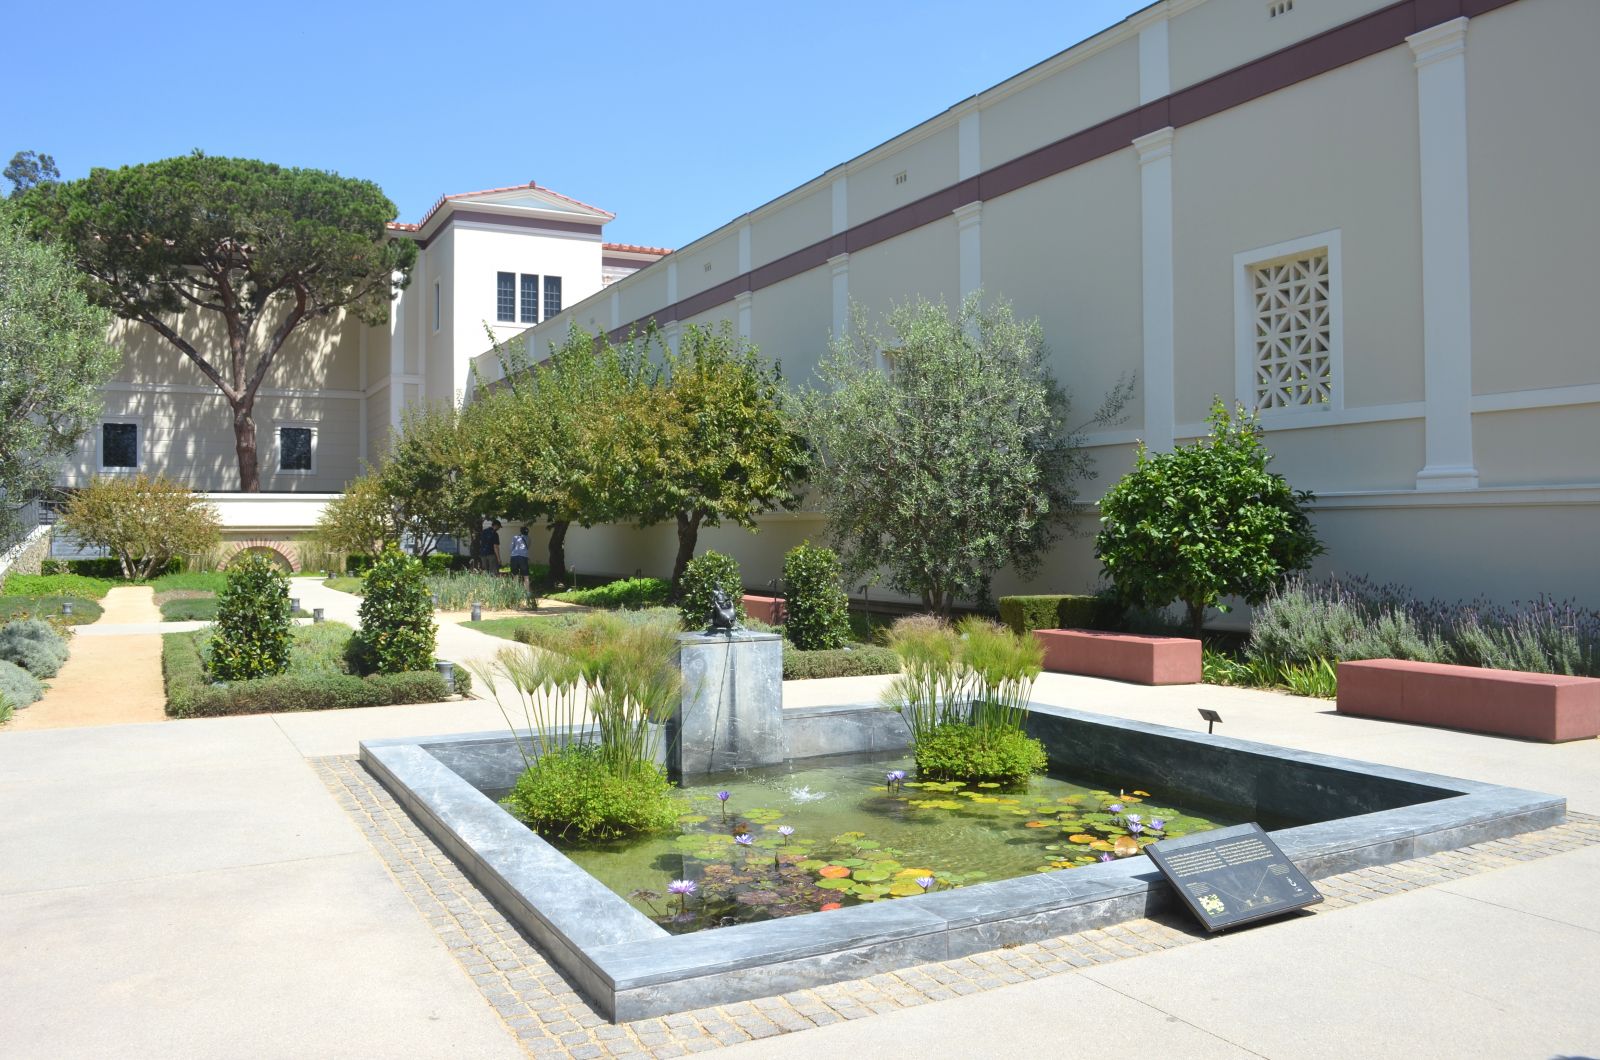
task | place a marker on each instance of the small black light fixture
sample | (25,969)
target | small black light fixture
(435,599)
(294,605)
(316,614)
(477,612)
(66,607)
(1211,718)
(447,670)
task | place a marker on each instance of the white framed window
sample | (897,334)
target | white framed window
(552,296)
(438,305)
(120,446)
(530,298)
(297,448)
(505,297)
(1288,327)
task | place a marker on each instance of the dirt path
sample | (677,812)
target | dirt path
(106,680)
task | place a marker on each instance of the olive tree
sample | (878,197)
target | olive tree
(943,449)
(1205,521)
(227,258)
(145,522)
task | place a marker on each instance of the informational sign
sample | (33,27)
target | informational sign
(1232,876)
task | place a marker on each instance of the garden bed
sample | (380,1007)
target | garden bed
(318,679)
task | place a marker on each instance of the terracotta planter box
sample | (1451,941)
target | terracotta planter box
(768,609)
(1121,656)
(1547,707)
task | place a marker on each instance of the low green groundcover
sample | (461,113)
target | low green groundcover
(632,593)
(956,751)
(312,682)
(83,611)
(573,794)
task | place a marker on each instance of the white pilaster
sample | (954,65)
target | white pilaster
(969,237)
(616,310)
(1155,256)
(744,249)
(361,405)
(1441,61)
(839,265)
(969,145)
(741,303)
(1155,68)
(671,332)
(841,204)
(672,282)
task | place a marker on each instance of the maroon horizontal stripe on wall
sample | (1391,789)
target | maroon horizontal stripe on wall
(1358,39)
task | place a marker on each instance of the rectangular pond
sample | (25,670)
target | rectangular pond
(1330,815)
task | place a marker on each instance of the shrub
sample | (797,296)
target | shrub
(106,567)
(57,585)
(1204,521)
(459,590)
(708,571)
(627,593)
(17,686)
(144,522)
(551,631)
(34,645)
(571,792)
(251,637)
(954,751)
(439,563)
(1024,614)
(397,627)
(859,660)
(357,563)
(816,607)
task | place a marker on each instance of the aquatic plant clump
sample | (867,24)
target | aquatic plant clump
(954,751)
(574,793)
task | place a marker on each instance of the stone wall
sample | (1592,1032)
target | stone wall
(26,556)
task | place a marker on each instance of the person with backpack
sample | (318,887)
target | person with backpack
(519,555)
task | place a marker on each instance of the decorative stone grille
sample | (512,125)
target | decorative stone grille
(1293,361)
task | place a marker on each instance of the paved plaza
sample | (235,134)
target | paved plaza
(240,887)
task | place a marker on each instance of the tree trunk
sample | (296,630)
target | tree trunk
(558,552)
(244,443)
(1197,618)
(688,535)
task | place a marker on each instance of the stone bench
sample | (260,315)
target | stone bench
(1121,656)
(1547,707)
(768,609)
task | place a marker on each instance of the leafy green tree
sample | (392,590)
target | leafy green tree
(29,169)
(144,522)
(424,475)
(397,627)
(362,520)
(227,258)
(725,445)
(252,637)
(816,607)
(943,450)
(564,439)
(1205,521)
(53,359)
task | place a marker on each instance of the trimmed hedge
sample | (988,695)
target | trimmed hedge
(189,696)
(107,567)
(861,660)
(1027,613)
(630,593)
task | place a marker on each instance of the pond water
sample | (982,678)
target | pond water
(825,833)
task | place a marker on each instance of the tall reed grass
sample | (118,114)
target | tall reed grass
(459,590)
(978,673)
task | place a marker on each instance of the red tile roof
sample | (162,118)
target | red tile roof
(634,248)
(531,185)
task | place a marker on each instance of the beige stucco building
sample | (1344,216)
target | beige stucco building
(1371,220)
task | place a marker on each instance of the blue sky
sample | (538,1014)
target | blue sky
(675,117)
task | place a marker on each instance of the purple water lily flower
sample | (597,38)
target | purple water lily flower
(1135,827)
(1157,824)
(1135,818)
(1107,857)
(682,887)
(722,800)
(785,830)
(744,839)
(925,882)
(1115,807)
(722,796)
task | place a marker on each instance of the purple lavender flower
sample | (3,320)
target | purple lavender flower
(682,887)
(1115,807)
(744,839)
(1157,824)
(925,882)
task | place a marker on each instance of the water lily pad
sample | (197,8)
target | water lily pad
(987,784)
(811,864)
(870,875)
(833,872)
(835,885)
(905,888)
(1125,847)
(1080,838)
(1099,844)
(1142,794)
(1034,824)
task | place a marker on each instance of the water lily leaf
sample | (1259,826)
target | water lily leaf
(1143,794)
(1099,844)
(1125,847)
(868,844)
(835,885)
(833,872)
(1034,824)
(914,873)
(811,864)
(1080,838)
(905,888)
(987,784)
(870,875)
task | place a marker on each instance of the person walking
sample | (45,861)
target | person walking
(489,546)
(519,556)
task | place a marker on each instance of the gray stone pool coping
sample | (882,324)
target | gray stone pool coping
(632,968)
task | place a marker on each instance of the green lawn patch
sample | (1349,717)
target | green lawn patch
(345,585)
(204,581)
(189,609)
(504,628)
(83,611)
(74,585)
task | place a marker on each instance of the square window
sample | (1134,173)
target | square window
(294,449)
(530,299)
(552,296)
(119,445)
(506,296)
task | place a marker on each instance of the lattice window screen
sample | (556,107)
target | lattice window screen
(1292,356)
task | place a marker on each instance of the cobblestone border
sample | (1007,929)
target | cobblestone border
(550,1018)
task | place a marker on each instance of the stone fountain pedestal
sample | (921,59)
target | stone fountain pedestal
(732,711)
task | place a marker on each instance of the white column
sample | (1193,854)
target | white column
(841,205)
(670,333)
(1155,68)
(744,249)
(741,302)
(969,145)
(1155,256)
(1441,61)
(969,236)
(672,281)
(361,412)
(397,359)
(840,266)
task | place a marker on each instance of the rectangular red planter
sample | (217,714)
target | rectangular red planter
(1547,707)
(1121,656)
(768,609)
